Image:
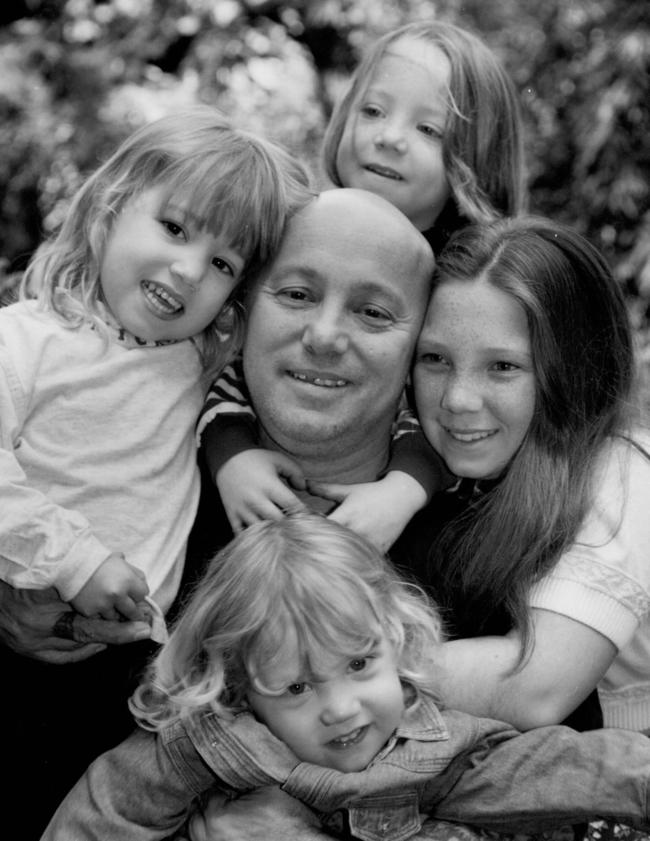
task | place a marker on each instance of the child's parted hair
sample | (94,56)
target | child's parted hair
(583,360)
(483,137)
(237,184)
(304,572)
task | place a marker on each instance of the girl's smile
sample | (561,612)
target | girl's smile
(163,276)
(473,377)
(393,138)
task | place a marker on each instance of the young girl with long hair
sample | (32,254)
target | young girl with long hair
(126,314)
(304,661)
(523,378)
(431,122)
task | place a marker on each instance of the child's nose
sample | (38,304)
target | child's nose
(339,706)
(190,268)
(390,135)
(461,394)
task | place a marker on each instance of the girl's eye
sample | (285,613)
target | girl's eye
(297,688)
(358,664)
(505,367)
(431,359)
(430,131)
(173,228)
(221,265)
(371,110)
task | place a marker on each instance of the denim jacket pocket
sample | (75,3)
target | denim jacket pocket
(391,817)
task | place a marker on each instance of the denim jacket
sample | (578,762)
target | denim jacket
(444,763)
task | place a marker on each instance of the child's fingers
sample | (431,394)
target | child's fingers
(290,470)
(128,608)
(329,490)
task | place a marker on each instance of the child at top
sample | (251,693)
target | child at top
(431,122)
(304,661)
(104,370)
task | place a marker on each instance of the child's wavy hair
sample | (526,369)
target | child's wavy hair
(584,366)
(331,586)
(238,184)
(483,138)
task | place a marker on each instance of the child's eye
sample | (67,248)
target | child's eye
(431,359)
(429,130)
(505,367)
(358,664)
(220,264)
(371,111)
(297,688)
(173,228)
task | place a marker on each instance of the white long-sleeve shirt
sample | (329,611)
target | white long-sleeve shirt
(97,453)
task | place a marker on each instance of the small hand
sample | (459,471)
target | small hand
(379,511)
(113,591)
(254,485)
(266,814)
(28,619)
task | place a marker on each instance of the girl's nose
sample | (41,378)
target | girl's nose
(189,268)
(339,706)
(324,334)
(390,136)
(461,394)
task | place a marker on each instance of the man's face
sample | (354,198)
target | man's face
(333,322)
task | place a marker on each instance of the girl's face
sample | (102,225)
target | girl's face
(392,140)
(473,377)
(162,276)
(340,714)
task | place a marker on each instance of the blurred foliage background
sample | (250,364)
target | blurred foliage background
(76,76)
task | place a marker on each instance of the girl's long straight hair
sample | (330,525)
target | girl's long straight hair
(483,137)
(583,362)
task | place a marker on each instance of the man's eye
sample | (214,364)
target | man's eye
(297,688)
(375,315)
(294,295)
(358,664)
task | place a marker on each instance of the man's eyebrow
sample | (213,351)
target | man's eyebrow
(292,269)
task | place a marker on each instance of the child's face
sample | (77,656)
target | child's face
(338,718)
(392,140)
(473,377)
(162,276)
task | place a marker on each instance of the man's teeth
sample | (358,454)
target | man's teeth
(468,437)
(322,381)
(161,298)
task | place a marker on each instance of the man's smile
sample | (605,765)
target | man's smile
(323,380)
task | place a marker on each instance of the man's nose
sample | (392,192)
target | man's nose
(325,334)
(461,394)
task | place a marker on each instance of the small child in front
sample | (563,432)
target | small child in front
(304,661)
